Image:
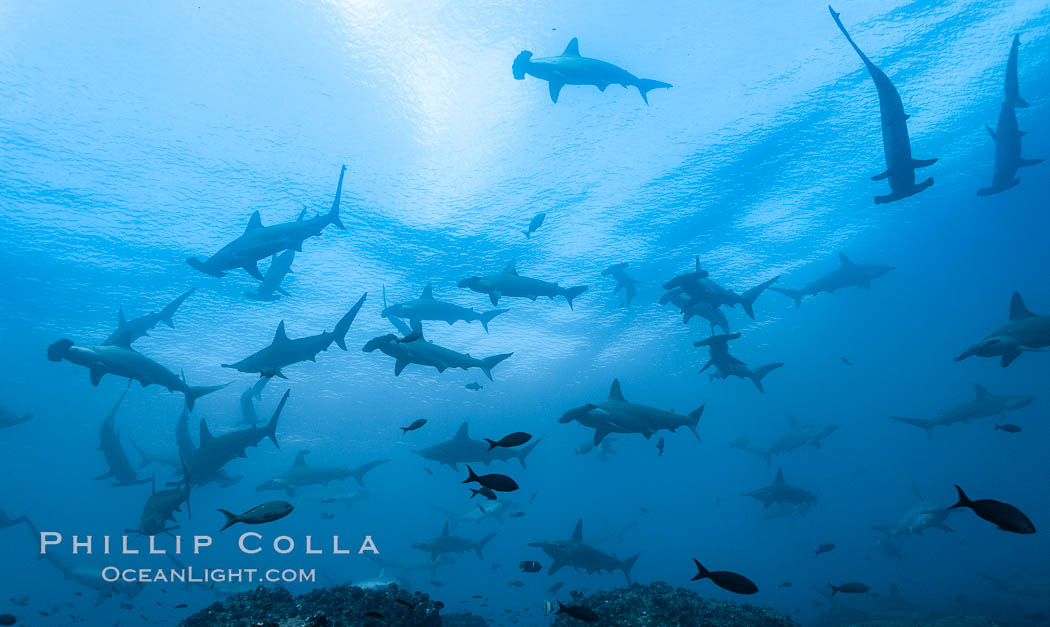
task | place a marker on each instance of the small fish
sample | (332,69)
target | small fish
(824,548)
(643,510)
(405,603)
(535,223)
(530,566)
(517,514)
(474,385)
(43,613)
(1010,428)
(495,565)
(485,492)
(515,439)
(725,579)
(439,605)
(416,424)
(7,619)
(374,615)
(429,471)
(327,515)
(846,361)
(555,587)
(261,514)
(532,498)
(578,612)
(499,483)
(852,587)
(1003,515)
(476,596)
(786,584)
(547,608)
(517,584)
(437,583)
(660,448)
(79,594)
(181,606)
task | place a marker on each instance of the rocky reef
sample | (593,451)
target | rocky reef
(336,606)
(661,605)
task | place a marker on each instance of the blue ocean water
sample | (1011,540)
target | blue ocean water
(135,135)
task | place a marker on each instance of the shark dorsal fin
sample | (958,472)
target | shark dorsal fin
(254,222)
(382,573)
(300,459)
(980,391)
(844,260)
(573,49)
(615,394)
(511,268)
(206,435)
(462,434)
(428,292)
(793,421)
(280,336)
(1018,311)
(444,532)
(302,215)
(779,481)
(577,533)
(698,263)
(121,320)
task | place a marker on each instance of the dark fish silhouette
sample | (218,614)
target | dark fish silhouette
(474,385)
(1003,515)
(578,612)
(660,447)
(530,566)
(725,579)
(499,483)
(824,548)
(416,424)
(485,492)
(1009,428)
(846,361)
(265,513)
(849,588)
(535,223)
(515,439)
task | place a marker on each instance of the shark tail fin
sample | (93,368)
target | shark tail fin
(361,471)
(1029,162)
(694,416)
(487,317)
(645,85)
(170,309)
(1020,102)
(480,546)
(145,460)
(271,427)
(193,393)
(333,213)
(524,451)
(344,323)
(231,519)
(759,373)
(747,299)
(794,294)
(922,423)
(573,292)
(488,363)
(628,564)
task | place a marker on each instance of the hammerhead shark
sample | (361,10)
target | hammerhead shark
(160,508)
(283,351)
(623,280)
(122,361)
(617,415)
(1007,136)
(782,493)
(572,69)
(128,331)
(217,451)
(462,449)
(302,474)
(900,166)
(259,242)
(728,366)
(510,283)
(426,307)
(270,289)
(1025,332)
(575,554)
(447,543)
(9,419)
(848,274)
(120,467)
(700,289)
(414,349)
(984,404)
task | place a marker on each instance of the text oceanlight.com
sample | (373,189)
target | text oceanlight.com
(112,574)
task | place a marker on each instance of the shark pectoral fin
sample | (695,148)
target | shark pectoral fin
(399,365)
(252,268)
(299,246)
(601,87)
(555,89)
(494,298)
(881,176)
(96,375)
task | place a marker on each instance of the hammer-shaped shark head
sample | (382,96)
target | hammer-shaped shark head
(469,282)
(521,65)
(990,347)
(377,343)
(59,349)
(577,413)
